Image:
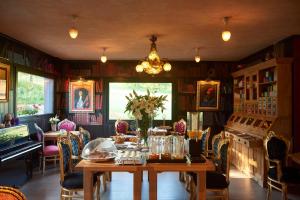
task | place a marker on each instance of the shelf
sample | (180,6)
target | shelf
(239,88)
(268,83)
(186,93)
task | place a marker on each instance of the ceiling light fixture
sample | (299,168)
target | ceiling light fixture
(226,33)
(153,64)
(197,56)
(73,32)
(103,58)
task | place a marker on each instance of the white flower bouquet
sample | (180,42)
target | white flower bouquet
(54,120)
(143,108)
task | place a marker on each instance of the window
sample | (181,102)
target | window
(118,101)
(34,94)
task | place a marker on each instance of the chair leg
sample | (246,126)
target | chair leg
(226,195)
(284,192)
(98,184)
(55,161)
(104,182)
(61,194)
(40,163)
(44,164)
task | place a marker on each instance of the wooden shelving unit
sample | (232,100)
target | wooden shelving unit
(262,102)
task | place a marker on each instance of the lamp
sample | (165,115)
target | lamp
(226,34)
(153,64)
(73,32)
(197,56)
(103,58)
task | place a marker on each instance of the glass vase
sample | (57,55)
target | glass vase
(53,127)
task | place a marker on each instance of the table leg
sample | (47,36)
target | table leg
(88,184)
(152,184)
(201,182)
(137,188)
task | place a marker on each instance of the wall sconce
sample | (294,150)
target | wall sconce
(226,34)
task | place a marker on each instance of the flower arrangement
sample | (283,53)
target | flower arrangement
(54,120)
(143,108)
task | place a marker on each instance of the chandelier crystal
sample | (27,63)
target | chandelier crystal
(153,64)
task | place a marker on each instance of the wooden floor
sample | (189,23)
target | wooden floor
(46,187)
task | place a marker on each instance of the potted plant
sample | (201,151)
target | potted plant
(53,121)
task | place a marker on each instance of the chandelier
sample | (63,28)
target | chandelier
(153,64)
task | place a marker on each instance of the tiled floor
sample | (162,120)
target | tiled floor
(46,187)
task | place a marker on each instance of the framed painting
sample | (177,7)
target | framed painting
(4,82)
(208,95)
(81,96)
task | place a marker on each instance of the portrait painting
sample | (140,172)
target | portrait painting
(208,95)
(81,96)
(4,82)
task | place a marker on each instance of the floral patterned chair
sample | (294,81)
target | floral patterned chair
(121,127)
(180,127)
(71,182)
(66,125)
(204,141)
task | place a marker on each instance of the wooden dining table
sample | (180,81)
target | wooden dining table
(89,168)
(53,135)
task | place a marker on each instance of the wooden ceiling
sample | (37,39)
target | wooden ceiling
(124,27)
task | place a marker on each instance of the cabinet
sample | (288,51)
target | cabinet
(262,102)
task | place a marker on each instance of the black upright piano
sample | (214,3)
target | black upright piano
(15,144)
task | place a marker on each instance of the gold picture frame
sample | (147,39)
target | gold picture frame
(81,96)
(4,82)
(208,95)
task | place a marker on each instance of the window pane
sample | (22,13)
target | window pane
(117,100)
(34,94)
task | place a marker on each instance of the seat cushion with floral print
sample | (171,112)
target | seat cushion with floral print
(180,127)
(121,127)
(66,125)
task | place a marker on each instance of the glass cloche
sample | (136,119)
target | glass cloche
(98,150)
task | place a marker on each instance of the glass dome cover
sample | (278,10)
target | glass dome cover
(100,149)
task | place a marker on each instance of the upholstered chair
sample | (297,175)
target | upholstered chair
(49,152)
(66,125)
(85,136)
(214,144)
(11,193)
(204,141)
(180,127)
(217,181)
(121,127)
(75,143)
(71,182)
(76,148)
(279,174)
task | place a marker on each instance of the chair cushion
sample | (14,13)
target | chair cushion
(290,175)
(215,180)
(75,180)
(50,150)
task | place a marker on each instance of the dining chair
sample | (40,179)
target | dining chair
(204,141)
(216,181)
(85,136)
(8,193)
(48,152)
(214,144)
(280,175)
(121,127)
(66,125)
(75,144)
(180,127)
(71,182)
